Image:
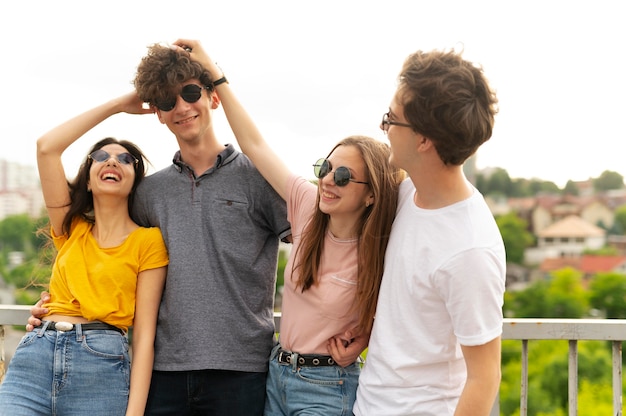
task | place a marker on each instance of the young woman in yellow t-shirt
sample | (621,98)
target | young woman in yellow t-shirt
(108,274)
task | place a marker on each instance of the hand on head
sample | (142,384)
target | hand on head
(197,53)
(130,103)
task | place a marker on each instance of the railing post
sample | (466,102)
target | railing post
(572,385)
(617,378)
(2,365)
(523,406)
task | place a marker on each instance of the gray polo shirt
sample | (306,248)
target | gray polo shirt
(222,231)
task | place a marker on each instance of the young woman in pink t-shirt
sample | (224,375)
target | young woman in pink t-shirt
(340,228)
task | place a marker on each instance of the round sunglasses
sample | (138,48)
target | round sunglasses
(123,158)
(190,93)
(342,175)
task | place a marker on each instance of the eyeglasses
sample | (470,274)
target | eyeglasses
(190,93)
(384,125)
(124,158)
(342,176)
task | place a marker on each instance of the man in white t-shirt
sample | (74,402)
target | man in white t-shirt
(435,346)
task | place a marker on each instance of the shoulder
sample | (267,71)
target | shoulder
(148,234)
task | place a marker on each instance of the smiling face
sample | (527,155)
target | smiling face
(350,200)
(189,120)
(110,176)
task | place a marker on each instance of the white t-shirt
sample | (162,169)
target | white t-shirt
(443,286)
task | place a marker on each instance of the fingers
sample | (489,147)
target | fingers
(37,310)
(44,297)
(32,323)
(187,44)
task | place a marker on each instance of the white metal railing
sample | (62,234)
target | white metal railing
(572,330)
(524,330)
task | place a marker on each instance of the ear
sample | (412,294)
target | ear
(369,201)
(215,100)
(423,143)
(158,113)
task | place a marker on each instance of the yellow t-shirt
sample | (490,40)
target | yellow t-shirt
(99,283)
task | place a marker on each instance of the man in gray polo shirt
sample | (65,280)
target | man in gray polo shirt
(222,223)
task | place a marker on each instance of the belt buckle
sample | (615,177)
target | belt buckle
(63,326)
(283,356)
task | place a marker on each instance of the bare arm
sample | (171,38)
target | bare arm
(51,146)
(248,136)
(483,379)
(150,285)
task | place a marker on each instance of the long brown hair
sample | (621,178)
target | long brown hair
(373,229)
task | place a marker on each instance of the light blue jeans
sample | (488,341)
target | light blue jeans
(323,391)
(67,373)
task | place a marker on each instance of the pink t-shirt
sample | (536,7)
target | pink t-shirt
(326,309)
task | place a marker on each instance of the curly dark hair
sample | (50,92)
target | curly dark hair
(163,69)
(81,204)
(448,100)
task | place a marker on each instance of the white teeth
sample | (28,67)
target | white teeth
(185,121)
(107,176)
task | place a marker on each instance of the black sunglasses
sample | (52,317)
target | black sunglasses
(342,176)
(190,93)
(124,158)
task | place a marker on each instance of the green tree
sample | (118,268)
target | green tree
(16,233)
(515,235)
(566,296)
(620,218)
(607,181)
(571,188)
(539,186)
(562,296)
(608,294)
(531,302)
(499,182)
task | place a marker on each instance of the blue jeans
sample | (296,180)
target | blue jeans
(67,373)
(206,392)
(323,391)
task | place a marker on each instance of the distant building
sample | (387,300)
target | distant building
(20,190)
(588,264)
(569,237)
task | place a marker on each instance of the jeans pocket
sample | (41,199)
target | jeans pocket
(323,376)
(27,339)
(105,345)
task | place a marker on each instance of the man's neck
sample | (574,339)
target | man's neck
(200,157)
(446,187)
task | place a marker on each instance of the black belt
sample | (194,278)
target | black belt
(305,360)
(67,326)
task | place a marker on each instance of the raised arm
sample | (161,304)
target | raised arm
(51,146)
(252,143)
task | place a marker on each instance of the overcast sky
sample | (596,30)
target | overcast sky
(313,72)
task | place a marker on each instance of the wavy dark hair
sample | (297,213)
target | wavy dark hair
(162,71)
(373,228)
(81,200)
